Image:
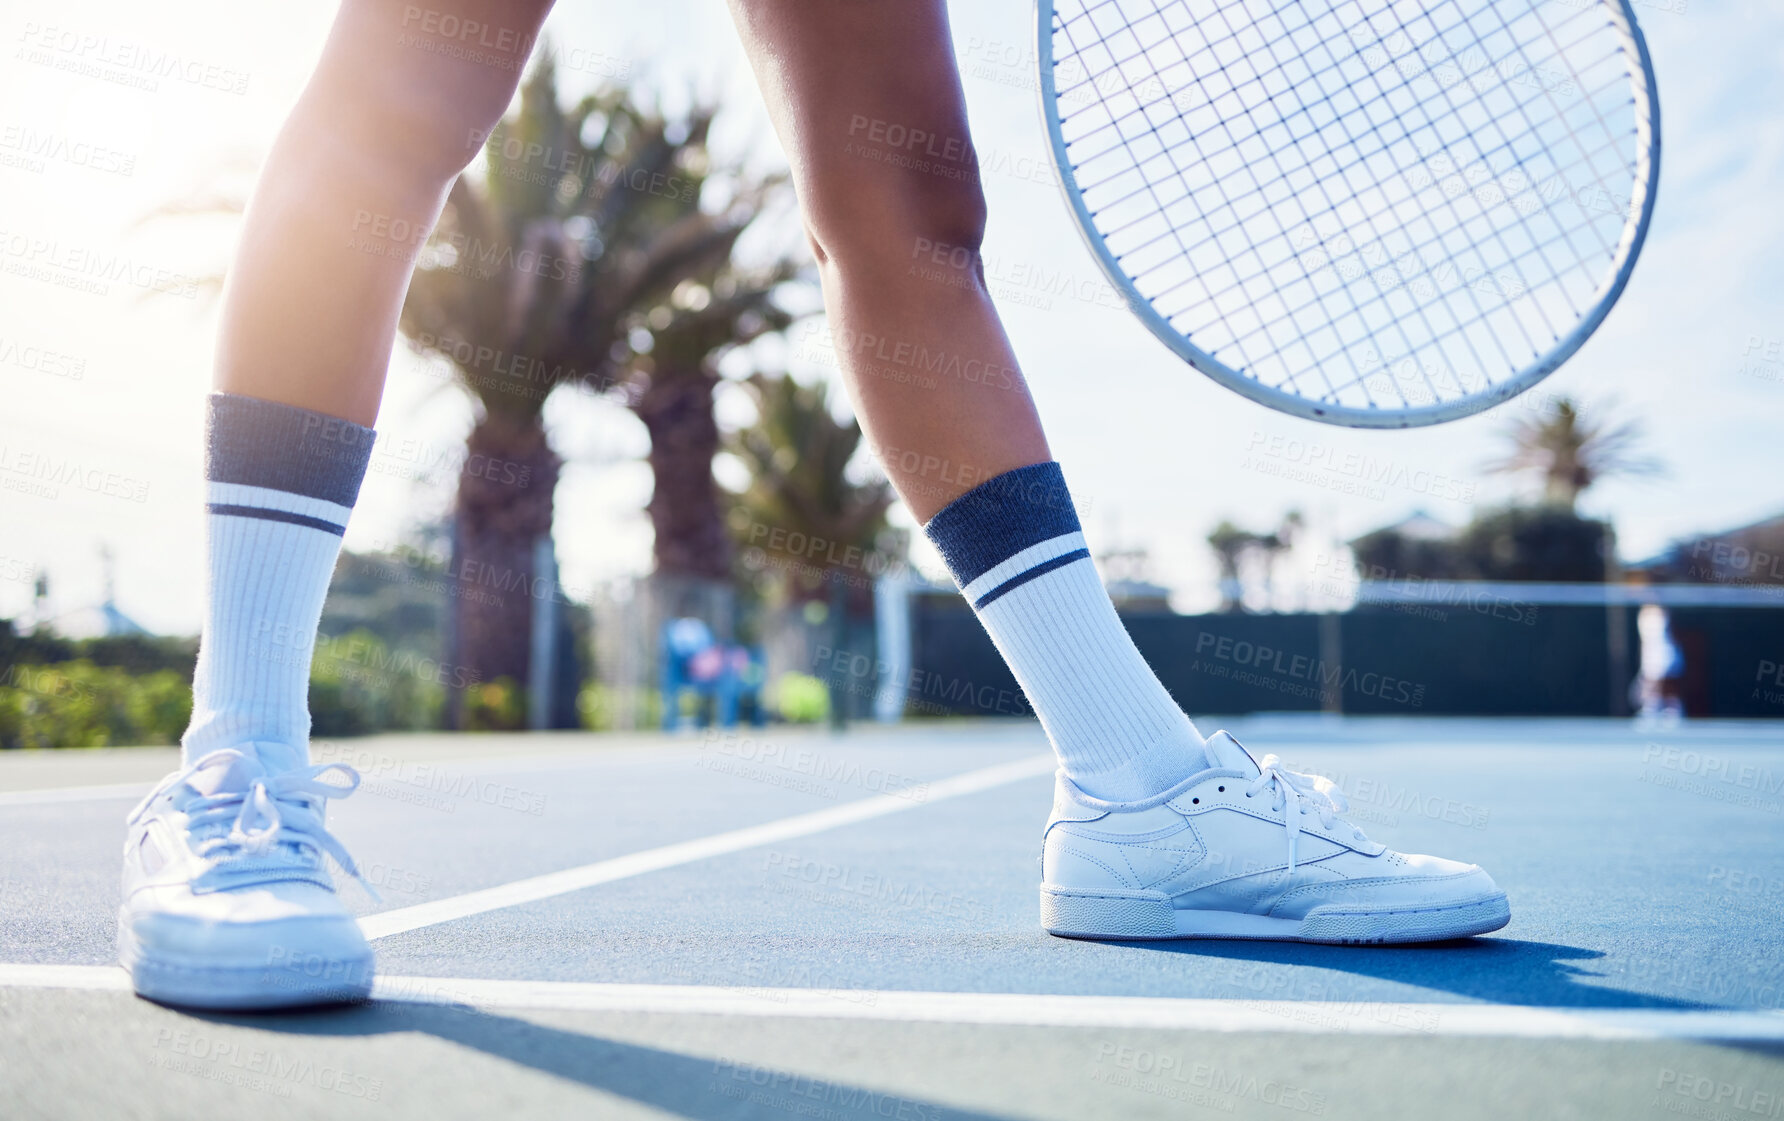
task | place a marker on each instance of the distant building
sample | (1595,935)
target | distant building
(101,621)
(1420,526)
(1139,597)
(1750,554)
(1416,546)
(1124,574)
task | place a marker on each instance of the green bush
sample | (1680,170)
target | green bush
(359,686)
(140,653)
(79,704)
(599,706)
(1545,543)
(495,706)
(801,698)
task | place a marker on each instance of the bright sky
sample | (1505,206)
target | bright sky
(113,380)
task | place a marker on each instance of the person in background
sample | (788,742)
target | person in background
(1659,692)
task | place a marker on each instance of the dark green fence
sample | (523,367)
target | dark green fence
(1482,656)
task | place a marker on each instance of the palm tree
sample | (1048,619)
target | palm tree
(804,518)
(675,382)
(590,255)
(1231,544)
(1570,451)
(798,456)
(1275,546)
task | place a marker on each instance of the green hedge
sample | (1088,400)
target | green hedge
(801,698)
(359,686)
(79,704)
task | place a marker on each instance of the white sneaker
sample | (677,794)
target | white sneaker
(1247,851)
(227,903)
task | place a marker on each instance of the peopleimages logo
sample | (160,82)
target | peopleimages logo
(44,361)
(1746,776)
(800,1095)
(34,147)
(1318,456)
(832,883)
(122,61)
(45,475)
(812,764)
(1162,1074)
(86,269)
(912,140)
(1256,658)
(1365,794)
(1697,1088)
(470,32)
(256,1068)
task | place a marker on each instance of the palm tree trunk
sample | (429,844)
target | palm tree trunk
(691,540)
(504,507)
(692,550)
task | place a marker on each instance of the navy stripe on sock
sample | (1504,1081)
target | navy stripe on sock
(276,516)
(1001,517)
(1041,569)
(266,444)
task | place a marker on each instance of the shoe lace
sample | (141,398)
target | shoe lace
(1298,795)
(278,809)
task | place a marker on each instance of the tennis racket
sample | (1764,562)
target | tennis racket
(1373,213)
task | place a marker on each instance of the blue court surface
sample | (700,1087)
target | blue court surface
(789,923)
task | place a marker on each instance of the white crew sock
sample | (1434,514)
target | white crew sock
(1016,551)
(282,482)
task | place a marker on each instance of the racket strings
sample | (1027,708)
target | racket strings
(1537,248)
(1360,158)
(1147,187)
(1457,325)
(1173,230)
(1265,328)
(1429,121)
(1291,317)
(1238,223)
(1262,273)
(1263,188)
(1480,317)
(1291,377)
(1356,307)
(1523,111)
(1540,243)
(1295,230)
(1170,95)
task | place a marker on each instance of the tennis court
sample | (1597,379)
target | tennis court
(786,923)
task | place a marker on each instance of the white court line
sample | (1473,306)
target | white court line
(478,765)
(1023,1009)
(471,765)
(120,790)
(386,923)
(380,768)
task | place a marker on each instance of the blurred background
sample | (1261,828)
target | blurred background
(679,522)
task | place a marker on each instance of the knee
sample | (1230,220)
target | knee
(894,218)
(428,128)
(423,118)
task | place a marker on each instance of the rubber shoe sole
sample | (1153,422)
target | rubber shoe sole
(249,986)
(1138,916)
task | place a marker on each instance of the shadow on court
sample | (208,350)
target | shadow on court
(1496,970)
(684,1085)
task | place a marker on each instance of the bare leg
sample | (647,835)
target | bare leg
(868,105)
(355,182)
(391,116)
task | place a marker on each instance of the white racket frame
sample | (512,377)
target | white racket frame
(1629,247)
